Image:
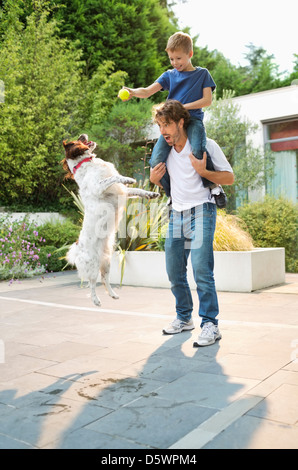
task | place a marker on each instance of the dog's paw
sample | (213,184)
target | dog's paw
(127,180)
(152,195)
(96,300)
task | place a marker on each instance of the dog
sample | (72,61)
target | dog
(103,192)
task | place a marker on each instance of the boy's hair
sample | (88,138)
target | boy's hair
(180,40)
(172,110)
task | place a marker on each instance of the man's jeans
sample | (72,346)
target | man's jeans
(197,137)
(191,232)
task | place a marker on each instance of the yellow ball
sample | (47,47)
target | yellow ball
(123,94)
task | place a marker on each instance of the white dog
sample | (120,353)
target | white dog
(103,193)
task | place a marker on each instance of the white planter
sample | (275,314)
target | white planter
(234,271)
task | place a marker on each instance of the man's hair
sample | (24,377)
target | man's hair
(170,111)
(180,40)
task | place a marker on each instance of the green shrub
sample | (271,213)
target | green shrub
(59,233)
(53,260)
(273,223)
(28,249)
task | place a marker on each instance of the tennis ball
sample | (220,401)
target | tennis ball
(123,94)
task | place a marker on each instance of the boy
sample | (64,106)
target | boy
(193,87)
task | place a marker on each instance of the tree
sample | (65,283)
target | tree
(261,73)
(225,74)
(46,100)
(121,137)
(132,34)
(250,165)
(293,77)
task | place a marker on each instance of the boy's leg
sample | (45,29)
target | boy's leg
(197,137)
(160,154)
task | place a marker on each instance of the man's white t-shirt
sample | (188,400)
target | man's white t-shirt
(187,189)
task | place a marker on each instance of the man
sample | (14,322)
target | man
(192,221)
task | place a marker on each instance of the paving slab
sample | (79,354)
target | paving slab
(75,376)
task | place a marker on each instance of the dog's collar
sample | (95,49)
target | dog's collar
(75,168)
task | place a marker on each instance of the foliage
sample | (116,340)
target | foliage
(142,225)
(28,249)
(230,234)
(59,233)
(100,93)
(261,73)
(47,99)
(273,223)
(20,250)
(225,74)
(42,81)
(132,34)
(122,135)
(293,77)
(250,165)
(59,236)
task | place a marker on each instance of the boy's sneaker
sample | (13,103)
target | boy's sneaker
(210,333)
(177,326)
(219,196)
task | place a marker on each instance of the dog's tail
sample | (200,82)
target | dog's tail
(72,254)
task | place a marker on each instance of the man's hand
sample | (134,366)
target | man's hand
(217,177)
(157,173)
(199,165)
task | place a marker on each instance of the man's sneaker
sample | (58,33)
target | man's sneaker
(219,196)
(177,326)
(209,334)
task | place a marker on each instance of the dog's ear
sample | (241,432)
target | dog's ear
(83,138)
(74,149)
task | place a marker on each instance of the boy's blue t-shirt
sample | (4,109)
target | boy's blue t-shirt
(187,87)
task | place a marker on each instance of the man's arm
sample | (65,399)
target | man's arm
(217,177)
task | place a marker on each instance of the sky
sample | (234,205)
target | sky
(230,25)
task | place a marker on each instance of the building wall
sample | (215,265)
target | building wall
(264,108)
(280,103)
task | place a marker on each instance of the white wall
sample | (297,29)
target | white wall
(280,103)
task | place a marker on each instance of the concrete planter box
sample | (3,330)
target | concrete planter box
(235,271)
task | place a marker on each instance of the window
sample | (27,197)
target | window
(282,139)
(283,135)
